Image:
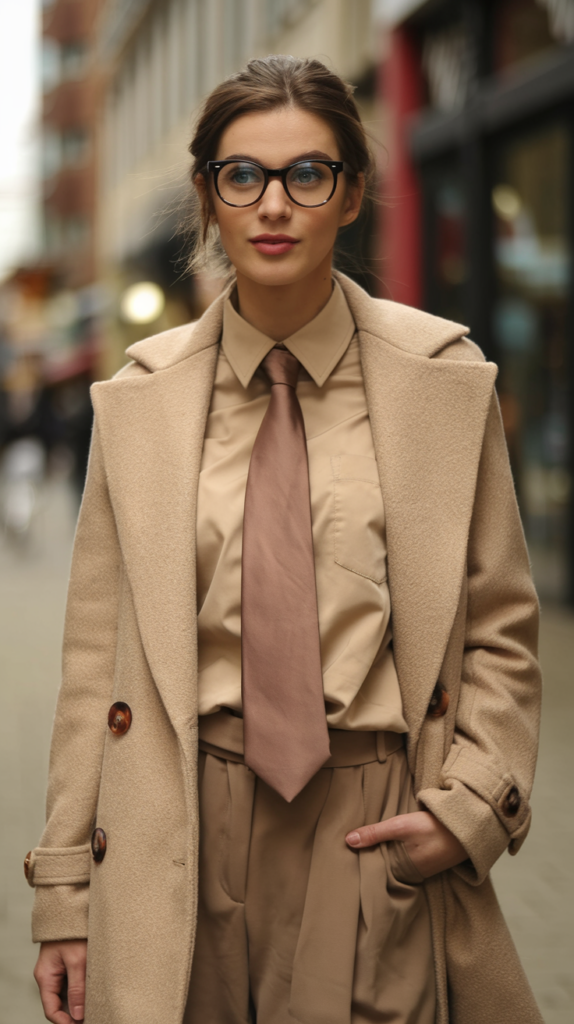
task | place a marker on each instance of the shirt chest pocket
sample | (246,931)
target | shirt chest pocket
(359,517)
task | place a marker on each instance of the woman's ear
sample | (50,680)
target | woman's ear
(353,200)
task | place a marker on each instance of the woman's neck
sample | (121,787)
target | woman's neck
(280,310)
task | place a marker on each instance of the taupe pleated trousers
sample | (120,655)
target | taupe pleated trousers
(294,925)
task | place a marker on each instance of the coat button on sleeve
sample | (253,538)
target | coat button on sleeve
(439,702)
(511,803)
(99,844)
(119,718)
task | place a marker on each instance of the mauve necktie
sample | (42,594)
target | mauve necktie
(285,727)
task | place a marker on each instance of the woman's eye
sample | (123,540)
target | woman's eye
(244,176)
(306,175)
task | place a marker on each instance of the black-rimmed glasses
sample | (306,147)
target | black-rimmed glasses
(306,182)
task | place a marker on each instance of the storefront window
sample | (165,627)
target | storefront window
(446,269)
(522,32)
(530,199)
(446,67)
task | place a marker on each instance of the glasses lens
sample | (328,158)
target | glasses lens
(309,183)
(240,183)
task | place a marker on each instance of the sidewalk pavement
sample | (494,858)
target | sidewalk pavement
(536,888)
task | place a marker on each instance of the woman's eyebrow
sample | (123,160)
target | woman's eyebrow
(315,154)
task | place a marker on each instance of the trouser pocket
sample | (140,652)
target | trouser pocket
(401,864)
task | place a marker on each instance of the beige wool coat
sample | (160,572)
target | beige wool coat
(464,615)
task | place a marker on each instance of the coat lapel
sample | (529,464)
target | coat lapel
(152,428)
(427,418)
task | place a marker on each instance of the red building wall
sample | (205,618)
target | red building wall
(401,89)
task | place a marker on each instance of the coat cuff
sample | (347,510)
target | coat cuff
(60,912)
(54,866)
(484,810)
(471,820)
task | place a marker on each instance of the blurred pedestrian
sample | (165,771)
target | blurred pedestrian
(299,553)
(23,443)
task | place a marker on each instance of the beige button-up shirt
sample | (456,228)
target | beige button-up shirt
(359,676)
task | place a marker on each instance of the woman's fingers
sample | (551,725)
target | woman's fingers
(430,846)
(49,974)
(50,980)
(56,962)
(400,827)
(75,961)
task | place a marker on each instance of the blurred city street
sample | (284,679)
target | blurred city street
(536,888)
(32,596)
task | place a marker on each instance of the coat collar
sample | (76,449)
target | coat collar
(402,327)
(427,417)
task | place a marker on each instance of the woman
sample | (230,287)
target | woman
(264,488)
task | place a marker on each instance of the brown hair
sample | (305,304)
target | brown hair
(266,84)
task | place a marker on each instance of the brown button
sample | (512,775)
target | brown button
(119,718)
(511,803)
(27,860)
(439,702)
(99,843)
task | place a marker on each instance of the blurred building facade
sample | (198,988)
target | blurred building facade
(50,309)
(474,101)
(162,57)
(70,81)
(480,228)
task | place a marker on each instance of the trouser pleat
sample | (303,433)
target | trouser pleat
(295,926)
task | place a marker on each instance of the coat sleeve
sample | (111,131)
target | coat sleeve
(486,779)
(59,868)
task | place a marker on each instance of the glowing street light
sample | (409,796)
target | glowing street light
(506,201)
(143,302)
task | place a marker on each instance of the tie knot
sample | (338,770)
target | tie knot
(281,367)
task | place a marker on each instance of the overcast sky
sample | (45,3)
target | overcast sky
(19,101)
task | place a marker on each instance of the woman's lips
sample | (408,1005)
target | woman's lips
(273,245)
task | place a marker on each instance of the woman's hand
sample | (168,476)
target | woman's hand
(430,846)
(57,962)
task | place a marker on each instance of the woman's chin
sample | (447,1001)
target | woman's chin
(274,271)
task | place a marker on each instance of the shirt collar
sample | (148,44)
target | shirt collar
(318,346)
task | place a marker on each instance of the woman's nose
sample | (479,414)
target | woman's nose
(275,201)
